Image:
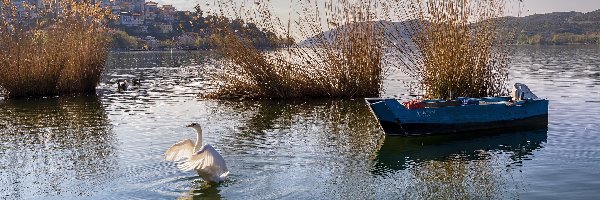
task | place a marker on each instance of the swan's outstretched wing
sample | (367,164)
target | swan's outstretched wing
(208,161)
(180,150)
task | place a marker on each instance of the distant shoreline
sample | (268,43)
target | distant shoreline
(209,50)
(161,50)
(570,44)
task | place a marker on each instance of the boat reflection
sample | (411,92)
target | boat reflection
(472,166)
(399,153)
(51,145)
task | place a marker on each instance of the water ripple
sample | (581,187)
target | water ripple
(110,146)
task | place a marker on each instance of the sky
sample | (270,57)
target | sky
(548,6)
(531,6)
(282,7)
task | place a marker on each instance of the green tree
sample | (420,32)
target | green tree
(199,42)
(535,39)
(522,39)
(122,40)
(556,39)
(166,44)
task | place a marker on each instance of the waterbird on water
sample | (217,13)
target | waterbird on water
(209,164)
(123,85)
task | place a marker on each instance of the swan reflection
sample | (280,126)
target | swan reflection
(202,190)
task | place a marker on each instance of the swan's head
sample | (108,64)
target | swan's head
(195,126)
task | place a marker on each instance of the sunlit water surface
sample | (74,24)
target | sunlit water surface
(110,145)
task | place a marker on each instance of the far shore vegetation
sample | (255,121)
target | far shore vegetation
(559,28)
(192,31)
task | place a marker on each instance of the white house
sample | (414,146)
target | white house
(131,19)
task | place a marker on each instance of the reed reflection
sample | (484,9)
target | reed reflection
(55,146)
(338,126)
(473,166)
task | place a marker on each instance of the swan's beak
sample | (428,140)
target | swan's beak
(189,125)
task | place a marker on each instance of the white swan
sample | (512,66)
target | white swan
(209,164)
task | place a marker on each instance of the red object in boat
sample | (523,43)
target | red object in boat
(413,104)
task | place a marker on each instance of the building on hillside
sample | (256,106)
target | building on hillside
(138,6)
(131,19)
(167,13)
(150,10)
(115,9)
(125,6)
(169,8)
(165,28)
(107,3)
(151,6)
(142,29)
(36,3)
(113,5)
(31,7)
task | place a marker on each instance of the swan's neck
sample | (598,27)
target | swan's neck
(198,144)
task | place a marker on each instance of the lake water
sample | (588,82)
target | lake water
(111,145)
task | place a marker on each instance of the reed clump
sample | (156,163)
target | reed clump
(56,47)
(461,47)
(345,62)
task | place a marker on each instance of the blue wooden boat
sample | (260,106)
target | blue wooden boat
(460,116)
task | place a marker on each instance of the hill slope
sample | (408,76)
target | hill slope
(560,28)
(550,28)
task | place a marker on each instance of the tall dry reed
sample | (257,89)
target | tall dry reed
(461,47)
(55,48)
(346,62)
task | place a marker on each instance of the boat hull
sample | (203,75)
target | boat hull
(530,123)
(395,119)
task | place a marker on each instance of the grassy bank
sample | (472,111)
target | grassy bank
(452,48)
(345,64)
(462,47)
(57,49)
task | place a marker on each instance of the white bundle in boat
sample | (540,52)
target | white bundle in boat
(521,91)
